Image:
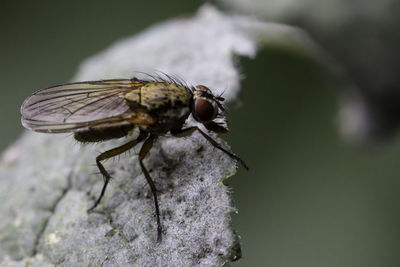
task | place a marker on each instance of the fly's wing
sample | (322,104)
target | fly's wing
(75,107)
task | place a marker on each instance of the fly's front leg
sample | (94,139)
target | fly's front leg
(109,154)
(142,154)
(190,130)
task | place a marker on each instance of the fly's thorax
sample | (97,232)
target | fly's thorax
(159,95)
(133,97)
(167,120)
(162,95)
(169,103)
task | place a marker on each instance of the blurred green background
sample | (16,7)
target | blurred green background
(309,198)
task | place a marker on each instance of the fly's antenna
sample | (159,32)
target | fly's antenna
(220,105)
(219,97)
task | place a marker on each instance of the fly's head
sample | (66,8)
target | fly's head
(207,107)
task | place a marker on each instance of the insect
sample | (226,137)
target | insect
(97,111)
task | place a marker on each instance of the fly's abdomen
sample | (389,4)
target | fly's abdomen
(99,135)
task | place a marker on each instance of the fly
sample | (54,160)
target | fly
(97,111)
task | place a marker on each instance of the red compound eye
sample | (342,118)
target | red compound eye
(204,110)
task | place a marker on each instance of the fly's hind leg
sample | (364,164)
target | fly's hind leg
(142,154)
(109,154)
(190,130)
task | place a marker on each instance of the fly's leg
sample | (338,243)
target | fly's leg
(109,154)
(142,154)
(190,130)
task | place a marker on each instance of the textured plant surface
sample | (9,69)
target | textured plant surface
(47,182)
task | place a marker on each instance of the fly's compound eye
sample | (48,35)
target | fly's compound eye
(204,110)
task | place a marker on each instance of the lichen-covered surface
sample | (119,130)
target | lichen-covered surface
(47,182)
(44,208)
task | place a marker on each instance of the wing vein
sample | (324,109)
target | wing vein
(79,106)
